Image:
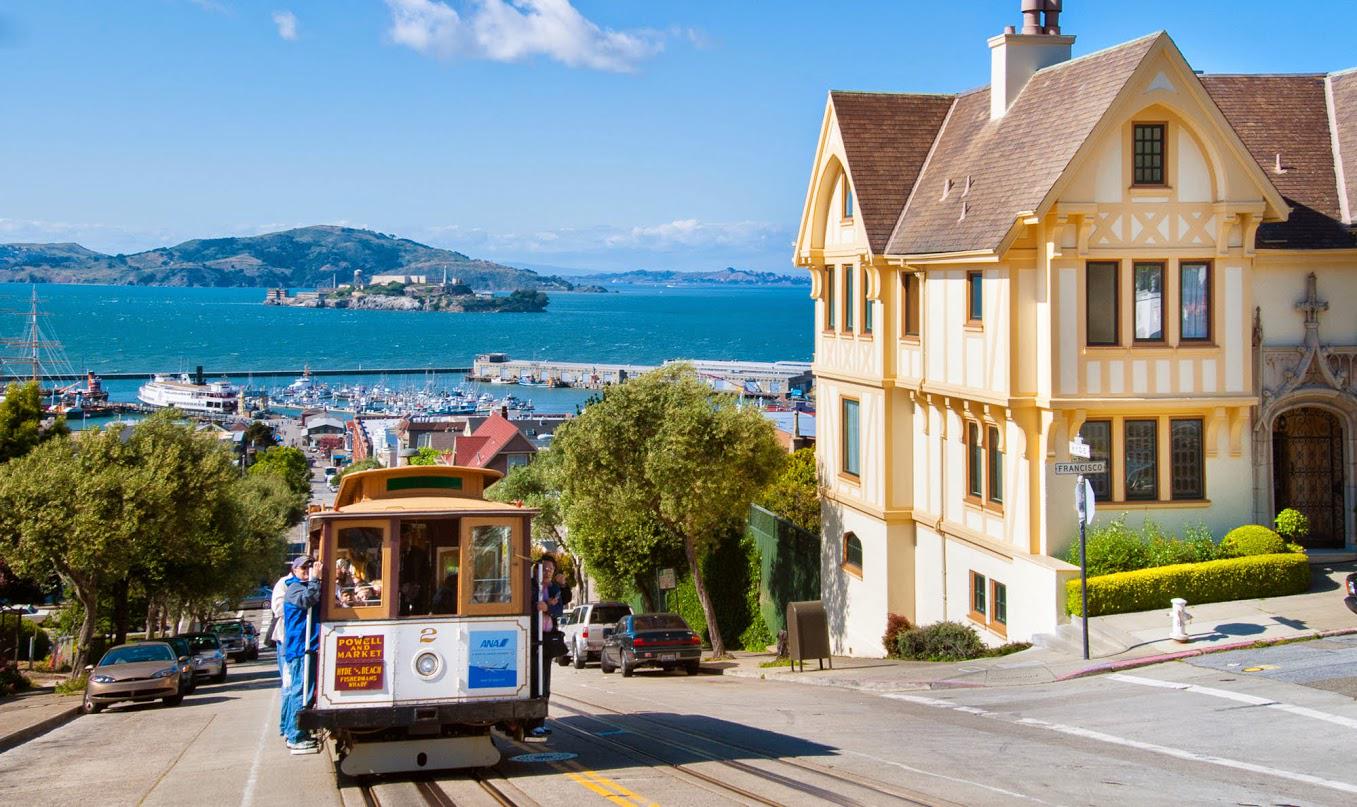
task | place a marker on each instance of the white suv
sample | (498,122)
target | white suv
(584,630)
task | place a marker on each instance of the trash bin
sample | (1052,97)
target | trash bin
(808,633)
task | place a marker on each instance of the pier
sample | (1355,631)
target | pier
(770,378)
(271,373)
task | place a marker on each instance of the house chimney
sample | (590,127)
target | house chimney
(1015,57)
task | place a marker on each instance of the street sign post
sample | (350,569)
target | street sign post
(1083,505)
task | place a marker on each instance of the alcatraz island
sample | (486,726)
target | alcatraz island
(410,293)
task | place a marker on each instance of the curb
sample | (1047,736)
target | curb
(1146,661)
(17,738)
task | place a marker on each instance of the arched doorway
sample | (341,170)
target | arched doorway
(1307,471)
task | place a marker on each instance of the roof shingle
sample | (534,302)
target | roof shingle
(1013,162)
(1343,88)
(886,137)
(1288,116)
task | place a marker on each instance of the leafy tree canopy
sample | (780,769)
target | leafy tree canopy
(794,493)
(661,463)
(288,464)
(352,468)
(426,455)
(536,485)
(21,418)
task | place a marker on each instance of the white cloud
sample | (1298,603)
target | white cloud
(511,30)
(287,24)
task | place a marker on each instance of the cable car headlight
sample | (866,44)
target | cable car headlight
(427,664)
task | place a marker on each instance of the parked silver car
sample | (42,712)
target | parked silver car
(209,660)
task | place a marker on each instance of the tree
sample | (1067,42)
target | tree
(536,485)
(21,421)
(664,460)
(426,455)
(288,464)
(258,434)
(361,465)
(794,493)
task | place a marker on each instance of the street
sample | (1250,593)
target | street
(1205,732)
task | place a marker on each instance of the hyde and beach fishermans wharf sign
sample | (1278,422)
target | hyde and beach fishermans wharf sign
(359,662)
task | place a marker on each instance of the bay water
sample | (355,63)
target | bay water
(229,331)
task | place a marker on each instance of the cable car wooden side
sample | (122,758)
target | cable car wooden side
(428,638)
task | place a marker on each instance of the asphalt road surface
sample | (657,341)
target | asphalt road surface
(1254,727)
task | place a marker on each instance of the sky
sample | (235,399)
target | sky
(593,134)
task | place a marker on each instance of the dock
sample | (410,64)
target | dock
(774,378)
(274,373)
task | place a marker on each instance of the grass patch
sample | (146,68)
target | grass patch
(1261,643)
(72,686)
(777,662)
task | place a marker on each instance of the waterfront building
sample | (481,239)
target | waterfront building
(1110,246)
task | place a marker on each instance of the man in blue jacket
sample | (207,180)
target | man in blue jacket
(299,649)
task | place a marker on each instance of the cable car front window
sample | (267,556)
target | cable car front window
(491,560)
(358,567)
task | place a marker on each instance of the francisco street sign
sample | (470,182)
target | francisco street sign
(1076,468)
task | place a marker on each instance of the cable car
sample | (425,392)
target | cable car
(428,637)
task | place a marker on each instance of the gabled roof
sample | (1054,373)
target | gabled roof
(1342,91)
(490,438)
(886,137)
(1015,161)
(1288,117)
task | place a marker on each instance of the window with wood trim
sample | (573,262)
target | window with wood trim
(975,471)
(852,553)
(998,606)
(1186,460)
(975,298)
(851,459)
(831,281)
(1148,156)
(994,467)
(849,274)
(909,303)
(1102,314)
(1098,435)
(849,203)
(1149,302)
(867,308)
(979,596)
(1194,301)
(1142,459)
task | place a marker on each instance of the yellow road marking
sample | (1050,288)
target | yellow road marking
(597,777)
(581,780)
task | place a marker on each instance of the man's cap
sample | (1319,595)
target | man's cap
(302,560)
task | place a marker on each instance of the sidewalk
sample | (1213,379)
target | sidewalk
(1116,642)
(30,714)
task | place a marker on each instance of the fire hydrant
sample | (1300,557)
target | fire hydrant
(1180,618)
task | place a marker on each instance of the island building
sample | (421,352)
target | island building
(1111,246)
(404,280)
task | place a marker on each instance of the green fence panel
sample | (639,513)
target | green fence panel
(789,565)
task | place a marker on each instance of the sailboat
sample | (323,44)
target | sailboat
(36,356)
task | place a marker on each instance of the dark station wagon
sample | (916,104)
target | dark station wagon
(651,640)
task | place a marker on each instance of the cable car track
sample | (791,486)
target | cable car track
(434,795)
(858,782)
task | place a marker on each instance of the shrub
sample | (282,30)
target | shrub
(11,680)
(895,625)
(1251,539)
(1292,525)
(1112,547)
(1213,581)
(941,641)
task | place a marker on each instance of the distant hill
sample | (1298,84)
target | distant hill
(302,258)
(729,276)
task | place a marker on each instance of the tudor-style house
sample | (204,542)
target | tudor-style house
(1111,246)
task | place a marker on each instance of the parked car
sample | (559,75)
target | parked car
(1350,589)
(651,640)
(259,598)
(239,638)
(143,671)
(208,659)
(184,652)
(584,632)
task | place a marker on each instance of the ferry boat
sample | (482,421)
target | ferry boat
(190,394)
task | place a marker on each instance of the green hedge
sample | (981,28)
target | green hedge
(1252,539)
(1213,581)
